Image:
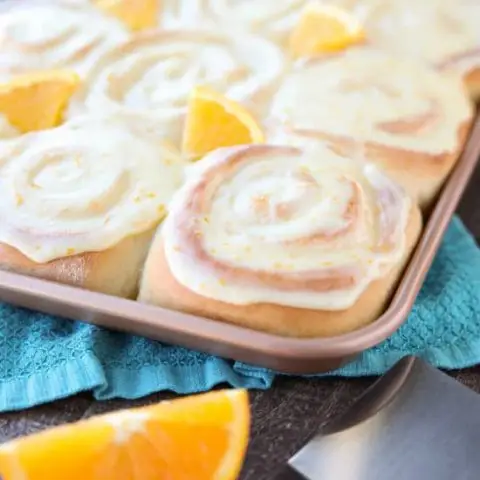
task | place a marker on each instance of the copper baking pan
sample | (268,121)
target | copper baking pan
(300,356)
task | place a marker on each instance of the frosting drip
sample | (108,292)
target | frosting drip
(84,186)
(155,73)
(308,229)
(371,97)
(54,35)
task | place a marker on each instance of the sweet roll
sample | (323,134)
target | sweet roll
(44,35)
(403,115)
(154,73)
(81,202)
(295,242)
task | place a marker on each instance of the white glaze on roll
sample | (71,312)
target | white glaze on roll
(84,186)
(284,226)
(155,73)
(42,35)
(7,130)
(266,17)
(441,32)
(369,96)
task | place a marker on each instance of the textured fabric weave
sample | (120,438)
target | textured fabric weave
(43,358)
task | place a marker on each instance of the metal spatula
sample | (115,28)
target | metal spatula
(414,423)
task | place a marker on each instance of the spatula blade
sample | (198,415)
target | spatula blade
(415,422)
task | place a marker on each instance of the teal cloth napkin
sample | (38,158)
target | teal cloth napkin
(43,358)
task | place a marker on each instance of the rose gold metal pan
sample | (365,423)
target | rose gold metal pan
(300,356)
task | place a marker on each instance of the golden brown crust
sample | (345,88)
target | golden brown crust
(115,271)
(472,81)
(159,287)
(420,173)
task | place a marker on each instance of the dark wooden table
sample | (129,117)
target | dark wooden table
(284,417)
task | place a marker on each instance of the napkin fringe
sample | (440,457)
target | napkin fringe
(87,374)
(130,385)
(59,382)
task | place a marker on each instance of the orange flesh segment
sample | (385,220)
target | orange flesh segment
(37,101)
(137,15)
(214,121)
(324,29)
(202,437)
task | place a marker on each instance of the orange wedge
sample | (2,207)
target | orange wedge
(135,14)
(37,101)
(214,121)
(200,437)
(324,29)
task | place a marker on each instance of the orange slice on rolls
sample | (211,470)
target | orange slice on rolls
(214,121)
(37,101)
(135,14)
(324,29)
(201,437)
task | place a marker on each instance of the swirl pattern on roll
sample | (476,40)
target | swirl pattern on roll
(275,224)
(155,72)
(369,96)
(441,32)
(43,35)
(84,186)
(269,17)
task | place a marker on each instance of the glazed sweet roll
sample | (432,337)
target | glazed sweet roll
(155,73)
(58,34)
(81,202)
(444,33)
(300,243)
(403,115)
